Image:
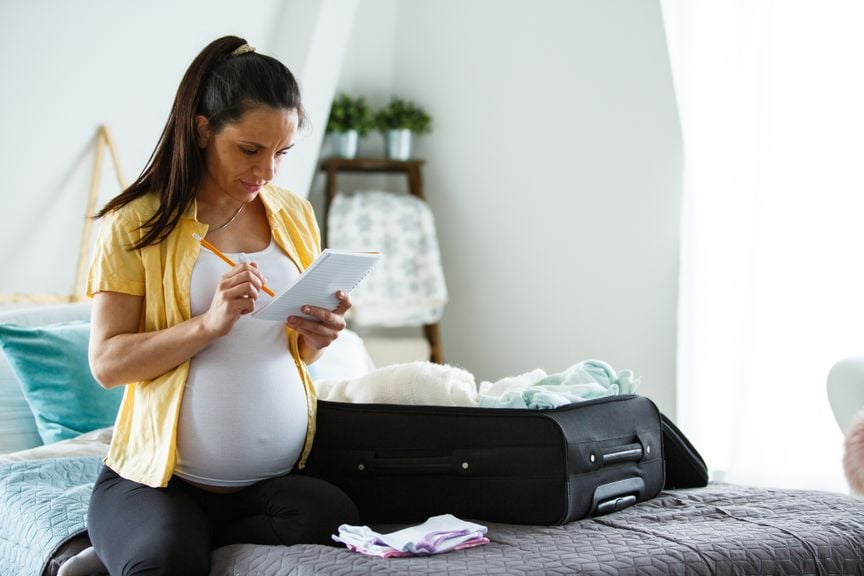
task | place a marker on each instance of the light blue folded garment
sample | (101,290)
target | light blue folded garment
(585,380)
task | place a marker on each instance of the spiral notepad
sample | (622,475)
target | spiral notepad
(332,271)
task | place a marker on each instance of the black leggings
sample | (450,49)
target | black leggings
(137,529)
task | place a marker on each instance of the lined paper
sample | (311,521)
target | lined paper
(332,271)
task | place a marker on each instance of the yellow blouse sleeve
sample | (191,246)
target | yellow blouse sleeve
(116,268)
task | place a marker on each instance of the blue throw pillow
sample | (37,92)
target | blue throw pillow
(52,366)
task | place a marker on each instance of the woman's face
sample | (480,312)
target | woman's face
(244,156)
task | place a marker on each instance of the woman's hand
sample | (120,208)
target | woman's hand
(235,296)
(318,334)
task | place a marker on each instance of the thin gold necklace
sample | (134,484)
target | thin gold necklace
(230,220)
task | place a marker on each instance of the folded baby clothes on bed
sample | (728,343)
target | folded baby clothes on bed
(437,535)
(407,286)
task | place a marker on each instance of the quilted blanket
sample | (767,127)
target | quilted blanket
(42,502)
(715,531)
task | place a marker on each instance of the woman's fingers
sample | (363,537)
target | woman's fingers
(325,325)
(334,317)
(344,303)
(321,317)
(315,334)
(314,327)
(244,273)
(241,283)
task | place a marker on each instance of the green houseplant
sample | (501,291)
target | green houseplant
(398,121)
(350,118)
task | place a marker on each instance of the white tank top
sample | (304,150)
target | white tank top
(243,416)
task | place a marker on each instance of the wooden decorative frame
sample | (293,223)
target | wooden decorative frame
(79,288)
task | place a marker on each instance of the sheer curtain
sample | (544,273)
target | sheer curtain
(771,96)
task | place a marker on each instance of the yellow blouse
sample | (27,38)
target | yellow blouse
(143,448)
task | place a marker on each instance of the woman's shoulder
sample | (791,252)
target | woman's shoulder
(280,198)
(138,210)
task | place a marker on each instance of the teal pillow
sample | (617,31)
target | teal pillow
(52,366)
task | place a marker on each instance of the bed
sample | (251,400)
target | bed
(719,529)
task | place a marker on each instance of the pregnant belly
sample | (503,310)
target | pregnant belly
(236,429)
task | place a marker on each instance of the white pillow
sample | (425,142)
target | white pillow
(344,359)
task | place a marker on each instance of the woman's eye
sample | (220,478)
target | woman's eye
(282,153)
(248,151)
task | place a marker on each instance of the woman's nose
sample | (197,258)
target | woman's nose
(265,170)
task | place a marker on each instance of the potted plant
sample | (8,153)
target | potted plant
(349,119)
(398,121)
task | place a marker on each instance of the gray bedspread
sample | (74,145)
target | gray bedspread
(42,503)
(718,530)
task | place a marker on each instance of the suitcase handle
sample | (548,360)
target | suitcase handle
(625,453)
(616,496)
(413,465)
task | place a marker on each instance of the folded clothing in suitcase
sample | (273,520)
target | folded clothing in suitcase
(407,463)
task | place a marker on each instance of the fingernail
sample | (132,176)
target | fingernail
(306,310)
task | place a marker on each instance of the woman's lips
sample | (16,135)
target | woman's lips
(252,188)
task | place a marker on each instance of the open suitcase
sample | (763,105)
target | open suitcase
(407,463)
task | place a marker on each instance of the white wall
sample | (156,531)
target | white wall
(553,171)
(69,66)
(553,168)
(368,71)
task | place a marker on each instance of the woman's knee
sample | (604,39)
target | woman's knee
(136,529)
(321,498)
(312,507)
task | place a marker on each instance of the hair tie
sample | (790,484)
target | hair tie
(243,50)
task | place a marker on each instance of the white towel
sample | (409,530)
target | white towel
(418,383)
(407,286)
(512,384)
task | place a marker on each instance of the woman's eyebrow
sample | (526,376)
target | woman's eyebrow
(256,144)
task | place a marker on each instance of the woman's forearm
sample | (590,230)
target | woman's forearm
(133,357)
(120,353)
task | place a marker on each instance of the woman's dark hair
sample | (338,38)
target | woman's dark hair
(222,84)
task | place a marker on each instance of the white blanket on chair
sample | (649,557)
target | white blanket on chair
(407,286)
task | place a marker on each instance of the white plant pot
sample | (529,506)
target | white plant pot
(344,144)
(398,144)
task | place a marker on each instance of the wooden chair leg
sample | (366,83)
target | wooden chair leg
(433,335)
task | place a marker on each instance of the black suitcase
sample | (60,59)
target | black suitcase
(685,467)
(407,463)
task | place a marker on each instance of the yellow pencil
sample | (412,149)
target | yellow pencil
(227,260)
